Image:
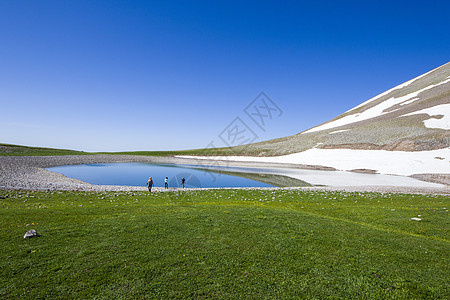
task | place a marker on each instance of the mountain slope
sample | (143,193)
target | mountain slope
(414,116)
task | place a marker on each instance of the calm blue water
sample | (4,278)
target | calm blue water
(136,174)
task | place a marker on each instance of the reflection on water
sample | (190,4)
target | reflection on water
(259,175)
(328,178)
(136,174)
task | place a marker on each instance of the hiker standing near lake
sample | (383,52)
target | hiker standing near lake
(166,183)
(183,181)
(150,184)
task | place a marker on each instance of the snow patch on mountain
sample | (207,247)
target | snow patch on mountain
(375,111)
(339,131)
(409,101)
(398,87)
(439,116)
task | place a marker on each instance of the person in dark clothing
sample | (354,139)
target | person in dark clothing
(166,183)
(150,184)
(183,181)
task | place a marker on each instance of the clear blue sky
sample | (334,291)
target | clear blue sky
(160,75)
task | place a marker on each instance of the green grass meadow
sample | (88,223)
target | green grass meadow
(237,244)
(18,150)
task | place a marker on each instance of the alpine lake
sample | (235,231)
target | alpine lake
(196,176)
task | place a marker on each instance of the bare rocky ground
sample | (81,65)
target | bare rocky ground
(29,173)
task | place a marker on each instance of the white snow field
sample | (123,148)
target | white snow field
(384,162)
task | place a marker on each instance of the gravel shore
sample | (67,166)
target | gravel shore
(28,173)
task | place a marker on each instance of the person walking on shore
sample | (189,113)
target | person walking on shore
(150,184)
(166,183)
(183,181)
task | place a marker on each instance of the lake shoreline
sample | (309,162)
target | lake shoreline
(29,173)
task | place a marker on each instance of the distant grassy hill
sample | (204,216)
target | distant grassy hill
(18,150)
(215,151)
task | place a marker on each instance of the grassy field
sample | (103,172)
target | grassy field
(17,150)
(263,244)
(206,151)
